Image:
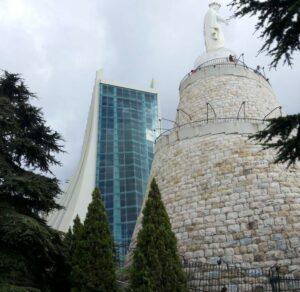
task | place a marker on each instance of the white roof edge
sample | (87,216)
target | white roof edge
(124,85)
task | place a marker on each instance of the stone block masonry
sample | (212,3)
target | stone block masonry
(224,195)
(225,87)
(226,198)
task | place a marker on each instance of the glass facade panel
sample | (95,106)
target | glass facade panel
(125,153)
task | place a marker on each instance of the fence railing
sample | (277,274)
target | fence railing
(206,277)
(207,121)
(221,277)
(223,62)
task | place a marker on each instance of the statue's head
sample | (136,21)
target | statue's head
(215,5)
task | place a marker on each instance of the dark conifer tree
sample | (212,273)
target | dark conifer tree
(279,23)
(74,244)
(283,135)
(156,264)
(31,253)
(92,257)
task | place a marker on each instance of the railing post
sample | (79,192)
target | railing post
(213,110)
(181,110)
(279,107)
(207,111)
(160,126)
(243,105)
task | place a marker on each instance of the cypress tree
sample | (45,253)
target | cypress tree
(74,245)
(156,264)
(92,250)
(31,253)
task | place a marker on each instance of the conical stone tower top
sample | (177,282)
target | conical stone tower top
(221,85)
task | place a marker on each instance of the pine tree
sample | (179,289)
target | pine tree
(280,25)
(279,22)
(156,264)
(31,253)
(283,135)
(92,250)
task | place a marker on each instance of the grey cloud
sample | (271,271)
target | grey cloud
(58,45)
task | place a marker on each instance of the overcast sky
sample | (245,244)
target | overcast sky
(57,45)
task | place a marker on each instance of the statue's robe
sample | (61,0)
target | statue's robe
(214,37)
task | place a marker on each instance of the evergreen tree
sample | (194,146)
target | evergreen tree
(31,253)
(156,264)
(283,135)
(92,251)
(74,244)
(280,25)
(279,22)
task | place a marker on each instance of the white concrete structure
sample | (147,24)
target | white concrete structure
(224,195)
(78,194)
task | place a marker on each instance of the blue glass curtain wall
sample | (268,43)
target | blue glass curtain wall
(128,123)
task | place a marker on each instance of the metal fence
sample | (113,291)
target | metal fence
(241,117)
(211,121)
(223,278)
(224,62)
(204,277)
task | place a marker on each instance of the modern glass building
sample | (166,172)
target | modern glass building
(116,156)
(128,123)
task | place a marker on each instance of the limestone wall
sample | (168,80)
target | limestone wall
(224,195)
(226,198)
(225,88)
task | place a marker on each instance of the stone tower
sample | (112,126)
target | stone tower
(224,195)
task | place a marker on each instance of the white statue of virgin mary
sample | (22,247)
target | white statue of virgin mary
(214,37)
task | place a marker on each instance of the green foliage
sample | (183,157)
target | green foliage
(279,22)
(156,263)
(280,25)
(74,244)
(283,135)
(27,146)
(91,250)
(31,253)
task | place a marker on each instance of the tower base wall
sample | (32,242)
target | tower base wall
(227,199)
